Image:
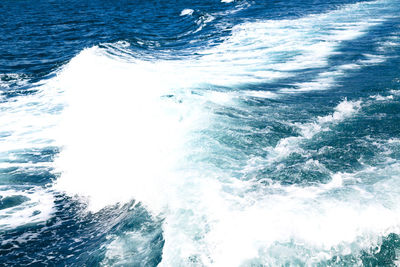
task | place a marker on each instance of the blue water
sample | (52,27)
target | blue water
(200,133)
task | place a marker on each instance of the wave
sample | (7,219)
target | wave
(146,129)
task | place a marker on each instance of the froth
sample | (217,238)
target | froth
(36,206)
(117,129)
(187,11)
(129,129)
(285,146)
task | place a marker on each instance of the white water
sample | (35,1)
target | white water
(187,12)
(129,129)
(37,208)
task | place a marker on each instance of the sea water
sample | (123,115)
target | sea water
(200,133)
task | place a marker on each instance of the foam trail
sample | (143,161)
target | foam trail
(268,50)
(133,128)
(28,124)
(198,203)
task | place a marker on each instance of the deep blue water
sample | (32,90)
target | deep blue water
(200,133)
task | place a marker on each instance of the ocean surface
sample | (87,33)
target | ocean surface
(200,133)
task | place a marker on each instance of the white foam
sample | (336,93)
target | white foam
(372,59)
(350,66)
(344,110)
(395,92)
(37,208)
(325,80)
(112,128)
(321,83)
(390,44)
(8,79)
(29,119)
(319,221)
(264,51)
(130,128)
(27,123)
(393,140)
(187,12)
(286,146)
(124,139)
(284,46)
(382,98)
(119,251)
(260,94)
